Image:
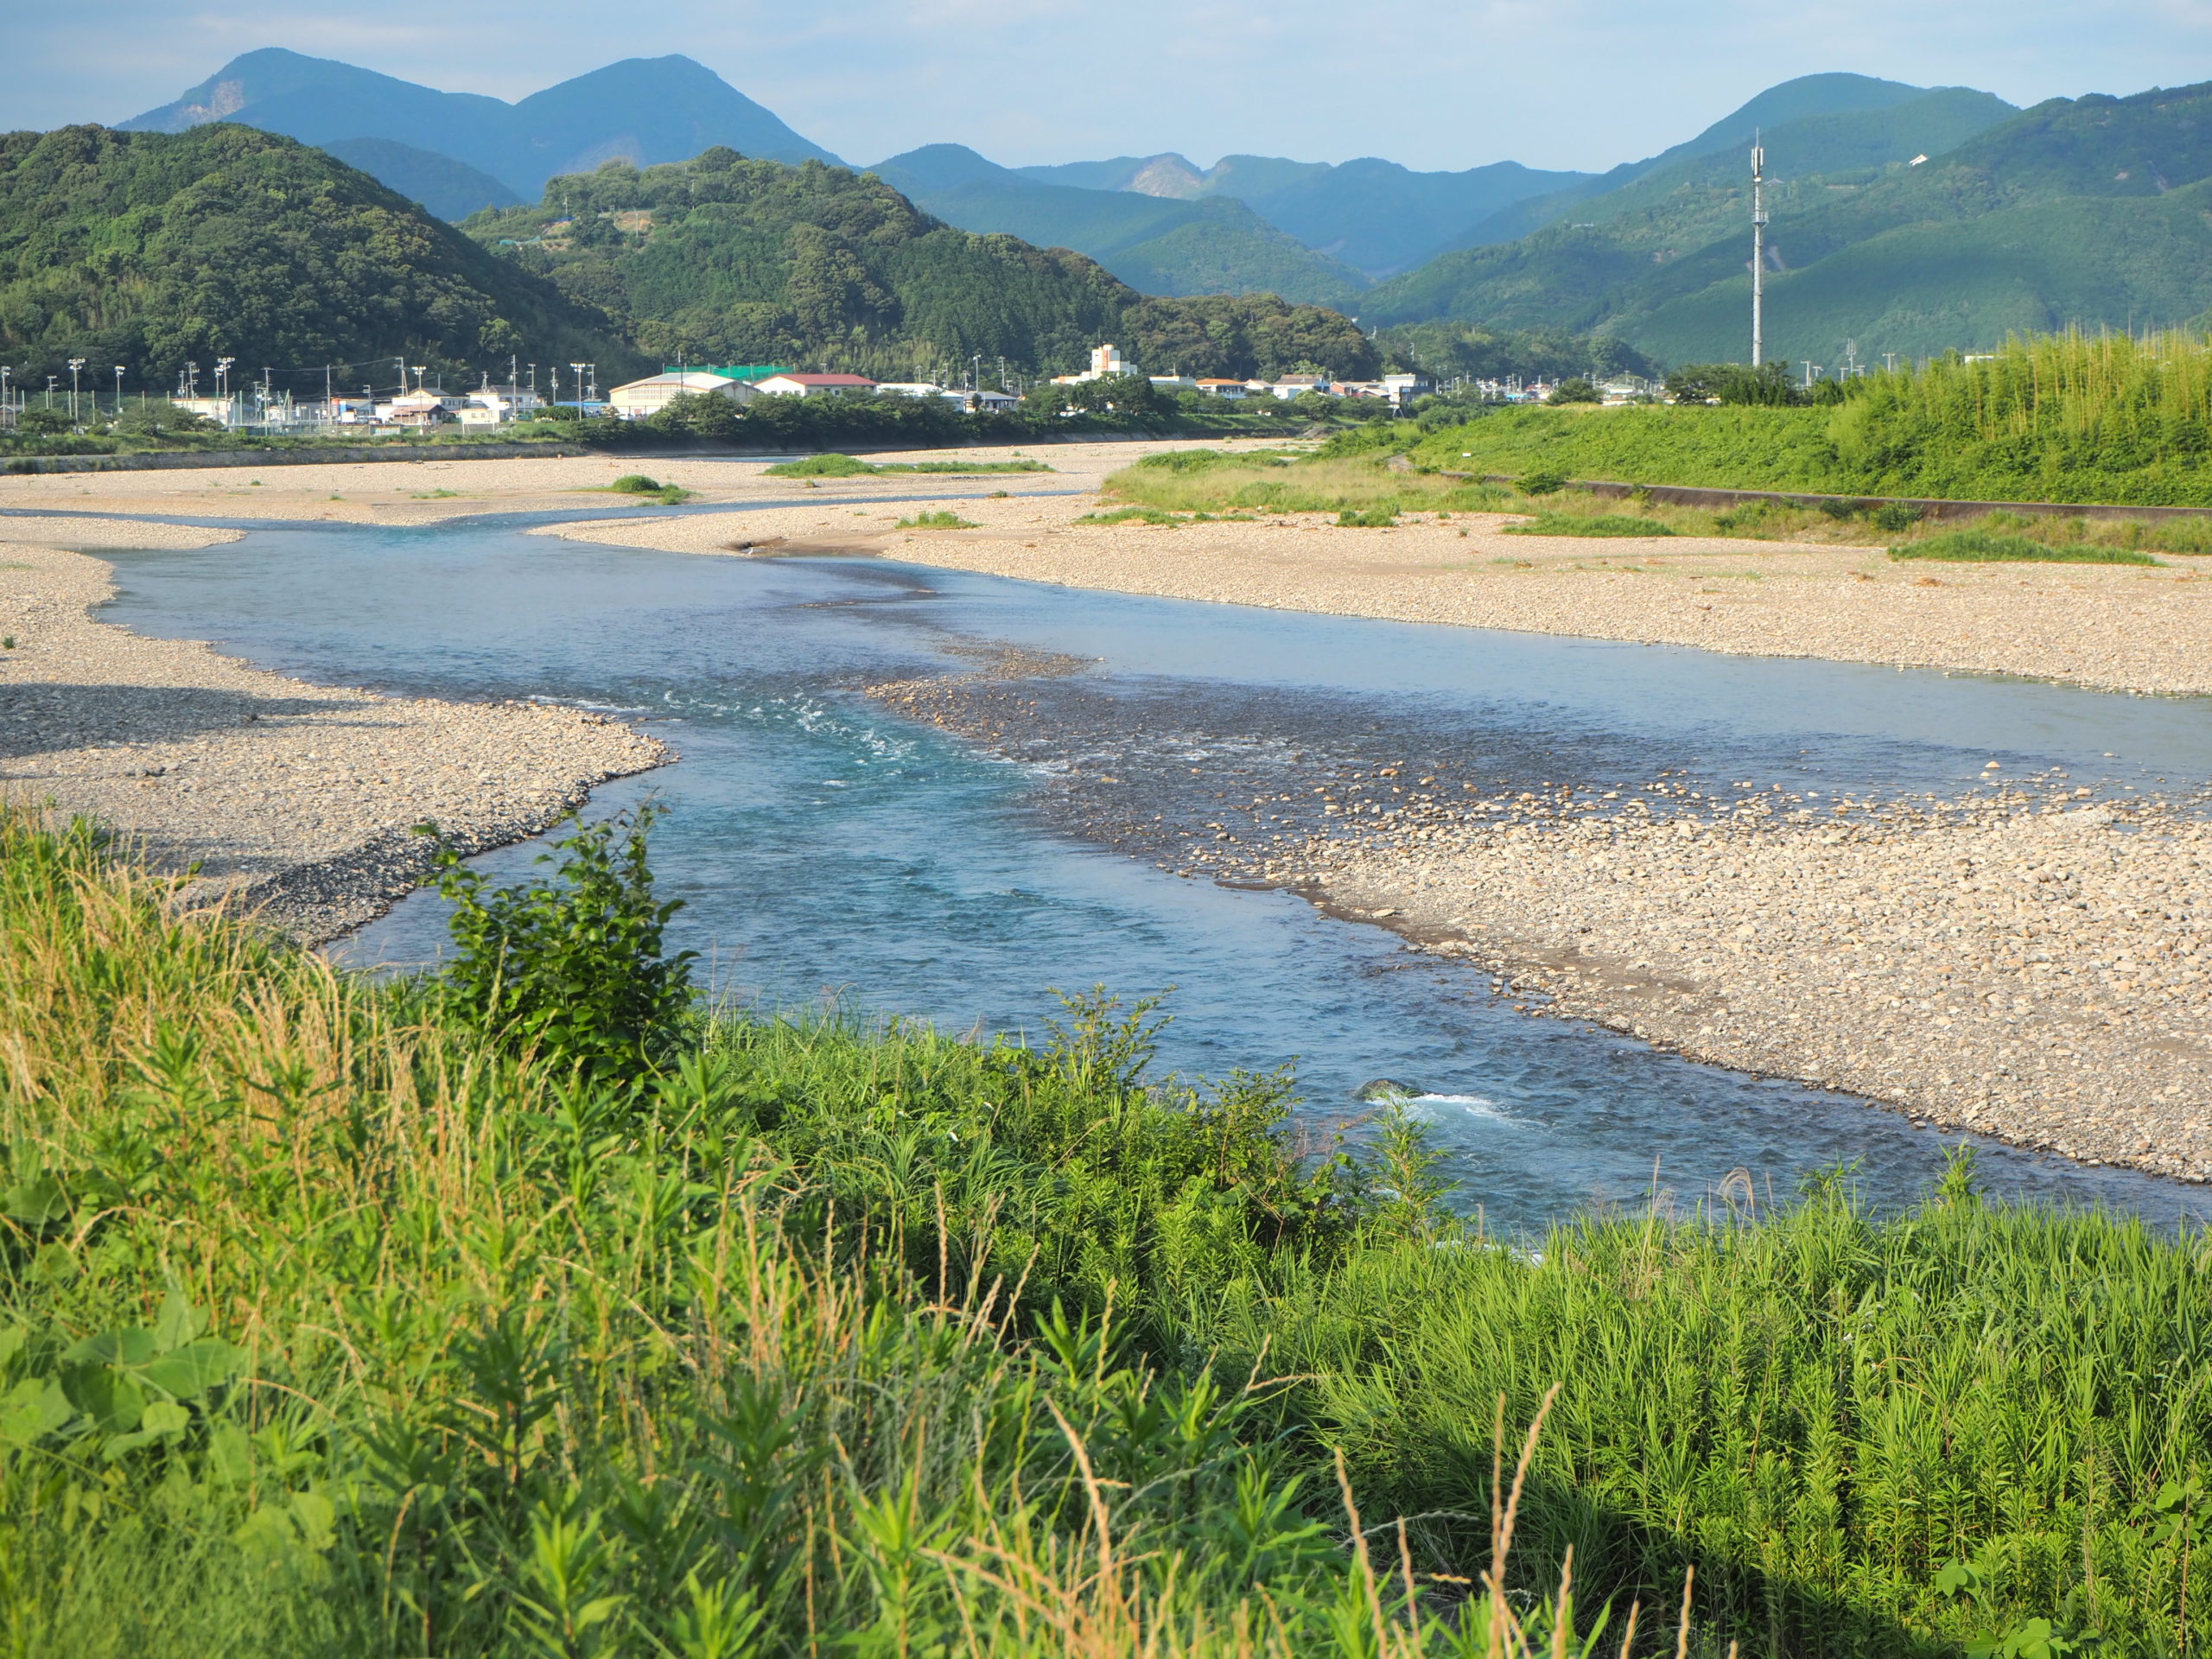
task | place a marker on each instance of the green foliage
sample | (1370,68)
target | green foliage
(2067,418)
(149,249)
(1244,336)
(941,520)
(635,484)
(823,466)
(1581,524)
(839,466)
(1542,481)
(1896,517)
(1384,517)
(573,969)
(1450,350)
(1984,547)
(1768,385)
(1575,390)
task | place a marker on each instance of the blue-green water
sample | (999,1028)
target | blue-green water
(826,848)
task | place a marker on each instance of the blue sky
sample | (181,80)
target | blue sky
(1432,83)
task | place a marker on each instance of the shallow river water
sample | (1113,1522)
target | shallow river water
(827,849)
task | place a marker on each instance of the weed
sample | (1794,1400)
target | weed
(942,520)
(1984,547)
(1603,524)
(1543,481)
(1384,516)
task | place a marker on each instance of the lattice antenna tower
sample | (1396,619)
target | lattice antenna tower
(1758,249)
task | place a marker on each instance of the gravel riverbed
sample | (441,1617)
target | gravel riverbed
(300,800)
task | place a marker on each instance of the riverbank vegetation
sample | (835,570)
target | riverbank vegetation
(838,466)
(343,1315)
(1355,472)
(2073,417)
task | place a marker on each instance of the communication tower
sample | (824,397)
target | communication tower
(1758,251)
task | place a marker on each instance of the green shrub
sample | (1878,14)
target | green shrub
(573,968)
(1542,481)
(934,521)
(1983,547)
(1576,523)
(1896,517)
(635,484)
(832,465)
(1382,518)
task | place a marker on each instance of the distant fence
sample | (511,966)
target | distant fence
(1683,495)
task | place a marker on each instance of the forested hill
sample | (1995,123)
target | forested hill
(730,260)
(2093,211)
(151,250)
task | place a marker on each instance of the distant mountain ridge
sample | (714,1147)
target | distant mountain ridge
(642,110)
(1372,214)
(2094,210)
(1160,244)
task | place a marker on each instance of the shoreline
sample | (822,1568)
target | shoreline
(297,801)
(2021,965)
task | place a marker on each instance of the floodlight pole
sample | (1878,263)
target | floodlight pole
(1758,251)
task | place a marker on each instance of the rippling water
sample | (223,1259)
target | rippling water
(827,850)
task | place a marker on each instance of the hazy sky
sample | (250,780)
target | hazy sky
(1432,83)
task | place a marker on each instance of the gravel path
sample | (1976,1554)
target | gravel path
(300,798)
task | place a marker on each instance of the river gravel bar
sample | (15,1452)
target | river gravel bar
(2025,964)
(297,800)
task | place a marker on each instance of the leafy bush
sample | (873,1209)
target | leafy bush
(1575,390)
(1542,481)
(635,484)
(831,464)
(1896,517)
(941,520)
(573,969)
(1577,523)
(1984,547)
(1380,518)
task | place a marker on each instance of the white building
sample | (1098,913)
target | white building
(1403,389)
(639,398)
(1294,385)
(1104,361)
(814,385)
(1223,388)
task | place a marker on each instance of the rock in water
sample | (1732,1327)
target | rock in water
(1385,1089)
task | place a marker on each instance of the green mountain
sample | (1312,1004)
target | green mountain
(1160,244)
(644,110)
(2087,211)
(448,188)
(152,249)
(1372,214)
(1806,100)
(724,259)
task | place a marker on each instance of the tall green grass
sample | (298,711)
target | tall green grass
(2054,417)
(1988,547)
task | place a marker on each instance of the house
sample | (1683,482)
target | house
(1173,383)
(1403,389)
(639,398)
(793,384)
(422,409)
(909,389)
(1222,388)
(1296,385)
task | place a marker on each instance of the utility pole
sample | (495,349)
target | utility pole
(118,391)
(76,367)
(578,369)
(1758,251)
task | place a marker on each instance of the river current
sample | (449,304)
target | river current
(829,851)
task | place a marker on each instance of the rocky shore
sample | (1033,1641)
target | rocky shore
(2026,964)
(298,800)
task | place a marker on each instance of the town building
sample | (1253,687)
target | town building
(793,384)
(1295,386)
(1223,388)
(655,392)
(1403,389)
(1104,361)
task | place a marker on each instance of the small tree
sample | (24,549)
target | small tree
(1576,391)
